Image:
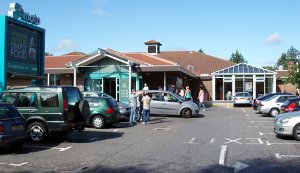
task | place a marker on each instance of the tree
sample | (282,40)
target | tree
(48,54)
(294,74)
(272,68)
(237,57)
(282,61)
(201,51)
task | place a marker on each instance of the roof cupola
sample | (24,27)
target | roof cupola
(153,46)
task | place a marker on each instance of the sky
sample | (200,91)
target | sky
(261,30)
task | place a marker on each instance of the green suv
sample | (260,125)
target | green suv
(103,111)
(49,109)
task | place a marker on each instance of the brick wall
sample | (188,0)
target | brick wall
(281,87)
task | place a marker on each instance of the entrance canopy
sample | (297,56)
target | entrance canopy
(242,78)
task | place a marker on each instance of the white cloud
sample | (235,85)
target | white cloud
(67,44)
(98,9)
(273,38)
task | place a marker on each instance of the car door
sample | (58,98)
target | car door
(27,104)
(172,105)
(156,104)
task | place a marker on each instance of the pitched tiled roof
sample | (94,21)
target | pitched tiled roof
(202,63)
(147,59)
(60,61)
(152,42)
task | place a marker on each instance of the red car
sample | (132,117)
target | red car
(291,105)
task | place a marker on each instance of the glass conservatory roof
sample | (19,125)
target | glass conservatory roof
(243,69)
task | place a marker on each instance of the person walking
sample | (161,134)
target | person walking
(201,97)
(133,107)
(229,95)
(188,93)
(146,107)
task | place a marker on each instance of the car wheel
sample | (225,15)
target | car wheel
(274,112)
(37,131)
(16,146)
(296,132)
(98,122)
(186,113)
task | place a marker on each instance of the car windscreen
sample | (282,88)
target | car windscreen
(111,102)
(8,111)
(242,94)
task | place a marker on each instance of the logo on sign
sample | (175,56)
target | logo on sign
(16,11)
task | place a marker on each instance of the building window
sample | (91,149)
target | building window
(152,49)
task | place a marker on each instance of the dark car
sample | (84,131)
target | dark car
(49,109)
(103,111)
(291,105)
(266,96)
(123,107)
(13,128)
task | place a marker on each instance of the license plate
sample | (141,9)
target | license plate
(242,99)
(17,128)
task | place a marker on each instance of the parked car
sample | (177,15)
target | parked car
(288,124)
(123,107)
(168,103)
(49,109)
(264,97)
(103,111)
(13,128)
(272,105)
(291,105)
(242,98)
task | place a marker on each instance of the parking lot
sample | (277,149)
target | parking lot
(222,139)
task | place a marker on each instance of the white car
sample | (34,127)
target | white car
(272,105)
(288,124)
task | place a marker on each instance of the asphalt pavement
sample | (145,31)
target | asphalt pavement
(221,139)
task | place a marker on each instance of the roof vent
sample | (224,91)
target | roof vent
(153,46)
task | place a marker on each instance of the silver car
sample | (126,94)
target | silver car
(168,103)
(123,107)
(288,124)
(272,105)
(244,98)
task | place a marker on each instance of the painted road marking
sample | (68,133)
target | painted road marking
(234,140)
(279,156)
(261,133)
(56,148)
(93,139)
(14,164)
(116,130)
(20,164)
(268,143)
(254,139)
(244,110)
(192,141)
(223,154)
(212,140)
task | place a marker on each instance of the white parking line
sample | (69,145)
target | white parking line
(20,164)
(212,140)
(278,156)
(57,148)
(192,141)
(269,143)
(116,130)
(223,154)
(261,133)
(244,110)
